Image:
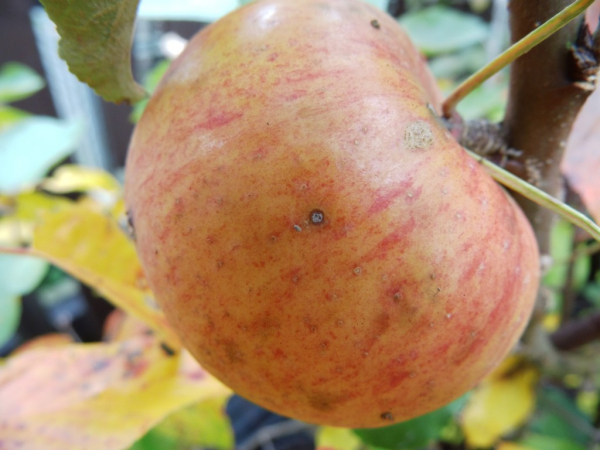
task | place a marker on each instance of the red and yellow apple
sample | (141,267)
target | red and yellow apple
(312,231)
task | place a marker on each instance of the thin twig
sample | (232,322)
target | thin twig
(538,196)
(519,48)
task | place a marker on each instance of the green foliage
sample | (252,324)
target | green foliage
(412,434)
(32,146)
(29,145)
(151,81)
(561,247)
(541,442)
(558,417)
(459,64)
(9,116)
(10,316)
(440,29)
(19,275)
(203,425)
(488,100)
(17,82)
(96,44)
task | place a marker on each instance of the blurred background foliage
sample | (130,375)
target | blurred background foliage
(517,407)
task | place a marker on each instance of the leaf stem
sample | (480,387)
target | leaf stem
(538,196)
(15,250)
(513,52)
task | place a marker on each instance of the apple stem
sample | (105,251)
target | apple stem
(538,196)
(513,52)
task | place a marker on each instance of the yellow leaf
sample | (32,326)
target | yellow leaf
(91,247)
(96,396)
(28,205)
(72,178)
(332,438)
(18,214)
(502,402)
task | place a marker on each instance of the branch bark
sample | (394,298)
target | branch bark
(544,100)
(548,87)
(576,333)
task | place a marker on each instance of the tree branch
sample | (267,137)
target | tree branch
(544,99)
(576,333)
(548,87)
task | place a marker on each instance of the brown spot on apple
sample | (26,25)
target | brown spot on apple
(233,352)
(325,401)
(418,135)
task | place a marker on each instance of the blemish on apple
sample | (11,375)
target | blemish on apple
(388,416)
(130,228)
(317,217)
(418,135)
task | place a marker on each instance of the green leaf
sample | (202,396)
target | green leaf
(440,29)
(558,417)
(460,64)
(17,81)
(150,82)
(592,293)
(9,116)
(561,248)
(10,316)
(540,442)
(381,4)
(412,434)
(96,42)
(487,101)
(581,271)
(203,425)
(19,275)
(31,147)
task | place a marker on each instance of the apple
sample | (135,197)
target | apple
(309,227)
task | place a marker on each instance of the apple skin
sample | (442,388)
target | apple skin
(317,238)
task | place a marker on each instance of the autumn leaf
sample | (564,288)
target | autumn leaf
(72,178)
(90,246)
(18,214)
(501,403)
(96,396)
(95,42)
(45,341)
(120,326)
